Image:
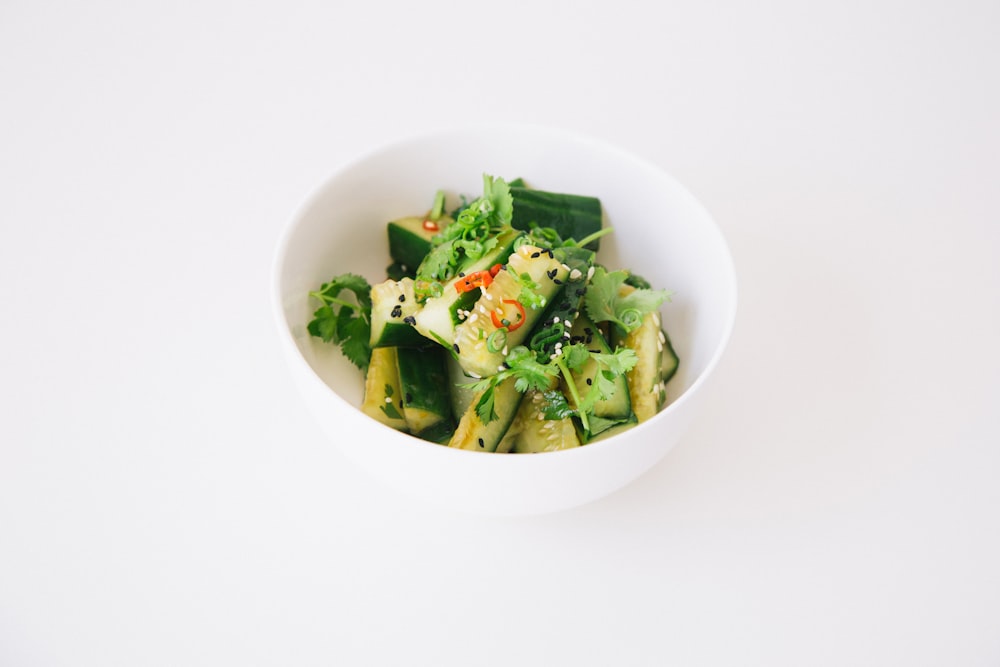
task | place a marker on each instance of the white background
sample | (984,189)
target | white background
(166,500)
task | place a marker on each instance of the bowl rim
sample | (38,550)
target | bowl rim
(292,223)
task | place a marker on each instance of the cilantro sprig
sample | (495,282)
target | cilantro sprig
(343,320)
(528,373)
(606,301)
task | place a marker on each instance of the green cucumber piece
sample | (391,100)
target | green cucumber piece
(531,433)
(393,304)
(480,344)
(460,391)
(616,407)
(601,429)
(473,434)
(410,240)
(437,318)
(423,384)
(646,380)
(383,399)
(572,216)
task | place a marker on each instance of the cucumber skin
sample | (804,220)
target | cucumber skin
(423,383)
(409,242)
(572,216)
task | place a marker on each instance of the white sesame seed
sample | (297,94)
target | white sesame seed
(590,273)
(555,320)
(388,400)
(473,317)
(663,337)
(504,351)
(574,274)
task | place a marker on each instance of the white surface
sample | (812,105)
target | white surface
(660,231)
(165,499)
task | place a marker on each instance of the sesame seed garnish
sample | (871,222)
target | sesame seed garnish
(455,347)
(402,298)
(535,255)
(396,311)
(575,274)
(388,399)
(555,320)
(410,319)
(590,273)
(552,273)
(590,381)
(409,397)
(482,443)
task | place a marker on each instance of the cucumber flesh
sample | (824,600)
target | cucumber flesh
(393,304)
(437,318)
(481,345)
(646,379)
(383,399)
(531,433)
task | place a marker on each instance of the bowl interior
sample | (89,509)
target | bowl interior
(661,231)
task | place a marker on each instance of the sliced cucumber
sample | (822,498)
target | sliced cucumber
(473,434)
(572,216)
(499,321)
(383,399)
(532,433)
(646,379)
(393,304)
(616,407)
(423,383)
(410,239)
(439,316)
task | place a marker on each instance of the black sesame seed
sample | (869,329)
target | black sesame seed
(557,281)
(397,311)
(552,273)
(581,292)
(461,274)
(409,398)
(402,298)
(535,255)
(551,256)
(410,319)
(590,381)
(455,347)
(588,331)
(482,443)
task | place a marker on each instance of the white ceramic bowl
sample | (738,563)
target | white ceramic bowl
(661,232)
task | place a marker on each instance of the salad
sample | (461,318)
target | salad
(497,329)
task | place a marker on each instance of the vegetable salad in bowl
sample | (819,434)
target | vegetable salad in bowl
(498,329)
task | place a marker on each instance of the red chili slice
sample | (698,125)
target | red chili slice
(473,280)
(431,226)
(495,269)
(510,326)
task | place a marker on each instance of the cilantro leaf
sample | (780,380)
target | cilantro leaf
(556,406)
(606,301)
(343,321)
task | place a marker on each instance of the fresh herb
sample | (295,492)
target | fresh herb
(606,302)
(610,367)
(527,372)
(529,295)
(344,322)
(472,234)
